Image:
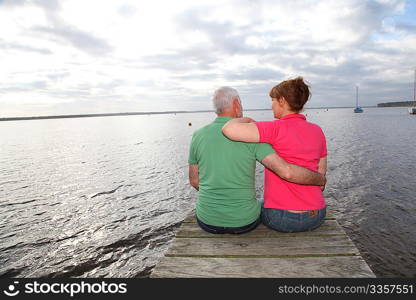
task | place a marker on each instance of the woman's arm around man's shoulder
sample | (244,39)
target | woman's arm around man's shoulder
(241,130)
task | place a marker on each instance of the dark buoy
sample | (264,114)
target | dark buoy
(189,124)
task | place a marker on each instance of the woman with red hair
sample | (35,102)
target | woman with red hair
(288,207)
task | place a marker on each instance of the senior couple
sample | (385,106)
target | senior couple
(222,162)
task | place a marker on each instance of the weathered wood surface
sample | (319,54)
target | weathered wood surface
(338,266)
(284,246)
(330,227)
(263,252)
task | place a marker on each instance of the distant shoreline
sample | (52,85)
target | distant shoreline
(97,115)
(397,104)
(134,113)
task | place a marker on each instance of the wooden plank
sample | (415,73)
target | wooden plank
(192,219)
(324,252)
(309,267)
(282,246)
(192,230)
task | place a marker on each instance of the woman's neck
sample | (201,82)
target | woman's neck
(288,112)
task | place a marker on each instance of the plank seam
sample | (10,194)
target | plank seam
(194,222)
(263,256)
(255,237)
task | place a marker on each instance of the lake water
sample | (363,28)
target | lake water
(103,197)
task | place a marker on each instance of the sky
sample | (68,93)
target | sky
(107,56)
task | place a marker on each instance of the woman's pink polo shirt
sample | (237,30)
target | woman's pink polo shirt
(298,142)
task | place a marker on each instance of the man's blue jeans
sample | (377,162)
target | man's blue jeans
(283,220)
(233,230)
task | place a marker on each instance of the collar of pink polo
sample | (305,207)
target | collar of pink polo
(293,116)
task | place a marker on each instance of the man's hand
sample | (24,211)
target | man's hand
(322,167)
(194,176)
(293,173)
(323,186)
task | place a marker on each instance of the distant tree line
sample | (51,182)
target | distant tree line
(393,104)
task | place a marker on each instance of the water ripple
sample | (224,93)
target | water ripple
(104,197)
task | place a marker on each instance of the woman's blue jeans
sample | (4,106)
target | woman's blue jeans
(283,220)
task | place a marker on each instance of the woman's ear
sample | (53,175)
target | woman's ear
(282,101)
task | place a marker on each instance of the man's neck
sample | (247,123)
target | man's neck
(226,114)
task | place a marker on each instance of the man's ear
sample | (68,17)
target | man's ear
(237,106)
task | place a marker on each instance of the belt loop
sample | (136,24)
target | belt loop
(313,213)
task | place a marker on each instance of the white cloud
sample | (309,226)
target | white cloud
(102,56)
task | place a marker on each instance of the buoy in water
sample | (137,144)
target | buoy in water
(189,124)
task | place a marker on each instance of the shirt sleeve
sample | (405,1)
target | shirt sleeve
(262,150)
(268,131)
(192,159)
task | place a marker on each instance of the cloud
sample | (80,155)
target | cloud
(406,27)
(25,48)
(25,87)
(142,53)
(58,29)
(223,36)
(49,5)
(255,74)
(193,59)
(56,76)
(11,3)
(200,76)
(127,10)
(330,43)
(65,33)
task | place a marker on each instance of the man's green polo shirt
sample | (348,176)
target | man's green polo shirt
(227,195)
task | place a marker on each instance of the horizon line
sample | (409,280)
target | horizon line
(140,113)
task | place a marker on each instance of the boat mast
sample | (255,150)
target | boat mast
(356,95)
(414,90)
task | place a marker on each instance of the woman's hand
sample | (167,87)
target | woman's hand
(245,120)
(241,130)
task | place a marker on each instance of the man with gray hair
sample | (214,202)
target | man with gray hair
(223,171)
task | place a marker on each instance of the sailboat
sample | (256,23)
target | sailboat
(412,110)
(357,109)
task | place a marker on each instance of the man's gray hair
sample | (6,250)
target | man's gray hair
(223,98)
